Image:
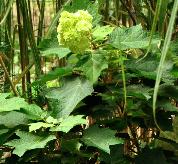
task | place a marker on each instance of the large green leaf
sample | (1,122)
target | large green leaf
(67,124)
(33,112)
(93,67)
(100,32)
(59,51)
(69,95)
(28,141)
(3,131)
(38,125)
(10,104)
(13,118)
(50,47)
(3,96)
(134,37)
(52,75)
(101,138)
(167,106)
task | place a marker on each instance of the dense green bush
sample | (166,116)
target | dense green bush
(101,110)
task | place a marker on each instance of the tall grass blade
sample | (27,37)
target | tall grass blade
(153,28)
(163,56)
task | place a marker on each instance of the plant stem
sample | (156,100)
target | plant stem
(124,86)
(7,75)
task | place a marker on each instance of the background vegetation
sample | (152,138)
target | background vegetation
(116,103)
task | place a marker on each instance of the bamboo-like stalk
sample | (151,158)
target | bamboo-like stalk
(116,3)
(162,18)
(58,5)
(41,20)
(26,60)
(22,45)
(8,51)
(29,26)
(106,12)
(26,70)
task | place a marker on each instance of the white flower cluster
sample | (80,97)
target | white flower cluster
(74,30)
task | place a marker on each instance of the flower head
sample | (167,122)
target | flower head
(74,30)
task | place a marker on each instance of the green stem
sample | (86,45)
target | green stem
(124,84)
(155,20)
(163,57)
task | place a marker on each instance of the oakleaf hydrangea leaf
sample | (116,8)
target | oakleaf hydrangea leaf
(28,141)
(38,125)
(101,138)
(13,118)
(9,104)
(68,96)
(93,67)
(134,37)
(52,120)
(101,32)
(68,123)
(33,112)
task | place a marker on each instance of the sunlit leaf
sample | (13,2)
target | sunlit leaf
(67,124)
(10,104)
(51,120)
(59,51)
(13,118)
(100,32)
(38,125)
(33,112)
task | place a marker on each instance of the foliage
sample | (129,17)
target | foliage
(28,141)
(9,105)
(102,139)
(99,110)
(94,65)
(68,96)
(68,123)
(133,37)
(100,33)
